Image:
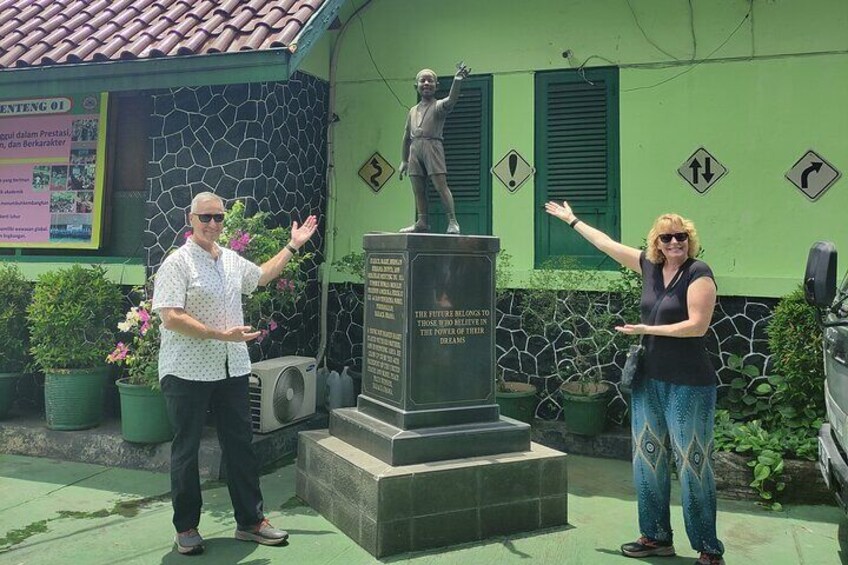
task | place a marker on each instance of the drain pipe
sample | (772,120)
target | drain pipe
(329,244)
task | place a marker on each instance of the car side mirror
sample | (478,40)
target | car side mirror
(820,276)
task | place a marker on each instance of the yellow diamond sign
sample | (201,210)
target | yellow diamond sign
(376,171)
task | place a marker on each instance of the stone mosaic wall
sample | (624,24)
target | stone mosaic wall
(738,327)
(262,143)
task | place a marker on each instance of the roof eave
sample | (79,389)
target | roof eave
(269,65)
(314,30)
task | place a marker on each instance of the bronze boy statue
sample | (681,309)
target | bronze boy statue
(422,152)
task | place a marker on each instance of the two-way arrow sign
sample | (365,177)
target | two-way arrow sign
(695,165)
(701,170)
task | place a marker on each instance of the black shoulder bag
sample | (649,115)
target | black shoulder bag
(635,355)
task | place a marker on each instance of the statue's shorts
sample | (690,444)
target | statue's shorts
(426,157)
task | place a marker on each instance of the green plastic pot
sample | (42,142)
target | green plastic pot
(584,407)
(73,398)
(518,401)
(144,418)
(8,382)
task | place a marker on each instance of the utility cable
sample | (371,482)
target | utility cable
(376,68)
(645,35)
(683,72)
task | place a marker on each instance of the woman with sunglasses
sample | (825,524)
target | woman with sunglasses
(673,402)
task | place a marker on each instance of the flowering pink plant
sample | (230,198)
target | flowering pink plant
(251,238)
(139,350)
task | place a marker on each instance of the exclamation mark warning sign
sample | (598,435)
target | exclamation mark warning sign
(513,170)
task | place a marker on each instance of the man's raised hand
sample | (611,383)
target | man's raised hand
(301,234)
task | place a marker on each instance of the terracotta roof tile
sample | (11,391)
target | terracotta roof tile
(10,39)
(50,32)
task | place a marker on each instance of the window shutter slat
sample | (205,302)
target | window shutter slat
(463,143)
(576,139)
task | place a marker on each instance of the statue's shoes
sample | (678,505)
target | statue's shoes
(416,228)
(453,228)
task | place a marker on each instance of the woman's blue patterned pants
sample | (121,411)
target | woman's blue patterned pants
(675,420)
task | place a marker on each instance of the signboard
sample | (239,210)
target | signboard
(812,174)
(51,171)
(513,170)
(376,171)
(702,170)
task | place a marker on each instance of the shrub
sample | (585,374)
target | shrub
(72,316)
(795,340)
(254,240)
(15,294)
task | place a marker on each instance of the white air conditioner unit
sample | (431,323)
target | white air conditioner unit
(282,391)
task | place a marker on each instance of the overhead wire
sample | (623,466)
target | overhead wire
(376,67)
(695,65)
(692,29)
(645,35)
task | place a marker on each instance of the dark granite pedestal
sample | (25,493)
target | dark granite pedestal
(425,459)
(395,509)
(428,387)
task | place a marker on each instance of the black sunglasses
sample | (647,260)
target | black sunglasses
(206,218)
(680,237)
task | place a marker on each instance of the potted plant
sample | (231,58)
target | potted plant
(516,400)
(71,317)
(144,417)
(14,337)
(584,399)
(564,310)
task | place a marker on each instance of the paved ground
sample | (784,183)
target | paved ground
(56,512)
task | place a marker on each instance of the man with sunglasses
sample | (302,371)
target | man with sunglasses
(203,363)
(674,393)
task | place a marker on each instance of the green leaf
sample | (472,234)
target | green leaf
(776,380)
(751,371)
(738,383)
(761,472)
(787,411)
(763,388)
(776,506)
(734,362)
(767,459)
(749,400)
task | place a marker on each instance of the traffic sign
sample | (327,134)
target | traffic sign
(376,171)
(513,170)
(702,170)
(812,174)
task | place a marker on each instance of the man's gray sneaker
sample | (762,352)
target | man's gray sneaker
(263,533)
(189,542)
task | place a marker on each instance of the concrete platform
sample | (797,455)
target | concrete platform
(27,434)
(389,510)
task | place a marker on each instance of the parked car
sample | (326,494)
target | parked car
(821,291)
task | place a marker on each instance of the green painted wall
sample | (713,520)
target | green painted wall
(774,86)
(317,62)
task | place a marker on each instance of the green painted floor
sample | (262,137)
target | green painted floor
(56,512)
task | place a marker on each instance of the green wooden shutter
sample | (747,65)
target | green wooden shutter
(577,159)
(468,156)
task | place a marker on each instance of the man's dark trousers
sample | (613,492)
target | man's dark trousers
(188,402)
